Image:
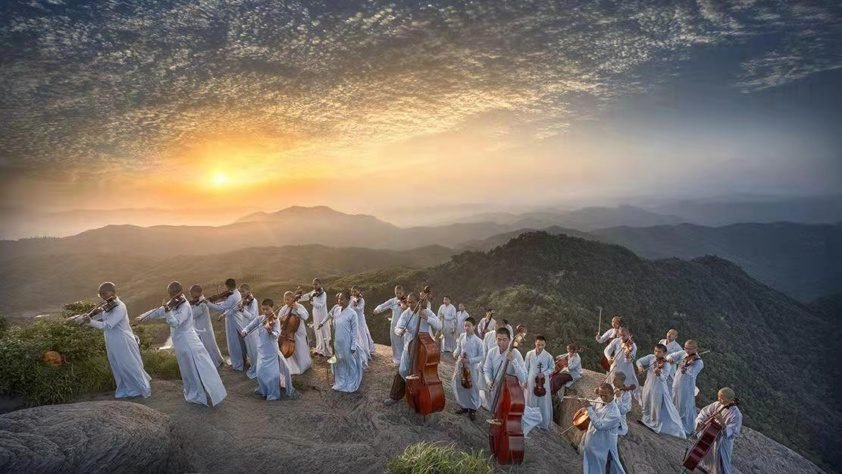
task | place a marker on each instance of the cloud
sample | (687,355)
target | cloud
(127,83)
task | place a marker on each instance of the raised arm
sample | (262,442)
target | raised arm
(254,323)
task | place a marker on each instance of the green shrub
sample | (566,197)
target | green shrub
(437,458)
(161,364)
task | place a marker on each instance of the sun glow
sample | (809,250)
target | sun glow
(220,179)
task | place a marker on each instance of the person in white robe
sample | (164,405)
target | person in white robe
(461,316)
(449,331)
(121,346)
(688,365)
(487,323)
(538,361)
(272,370)
(299,362)
(415,320)
(612,333)
(571,372)
(623,398)
(358,303)
(348,369)
(204,325)
(493,374)
(672,346)
(724,409)
(469,351)
(249,311)
(659,412)
(199,377)
(393,305)
(233,325)
(322,331)
(489,341)
(621,353)
(599,444)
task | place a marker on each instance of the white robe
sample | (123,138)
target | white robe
(659,412)
(272,370)
(299,361)
(718,460)
(574,368)
(671,348)
(249,313)
(599,444)
(319,315)
(484,325)
(607,336)
(393,305)
(684,389)
(621,363)
(624,403)
(204,328)
(461,316)
(489,342)
(449,329)
(348,370)
(408,322)
(198,372)
(491,372)
(123,353)
(472,345)
(366,342)
(233,326)
(545,403)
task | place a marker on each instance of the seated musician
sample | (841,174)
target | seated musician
(623,396)
(725,411)
(599,445)
(571,369)
(407,326)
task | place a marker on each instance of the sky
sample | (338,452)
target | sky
(395,107)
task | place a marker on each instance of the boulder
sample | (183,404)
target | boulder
(105,436)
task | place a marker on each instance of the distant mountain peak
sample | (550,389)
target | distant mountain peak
(322,212)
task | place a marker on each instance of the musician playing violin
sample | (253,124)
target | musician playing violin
(228,303)
(687,368)
(204,325)
(120,344)
(272,369)
(249,311)
(599,445)
(621,353)
(725,411)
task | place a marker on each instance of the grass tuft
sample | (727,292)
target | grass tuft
(439,458)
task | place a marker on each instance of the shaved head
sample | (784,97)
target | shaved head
(174,288)
(107,289)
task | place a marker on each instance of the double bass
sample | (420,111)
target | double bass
(505,435)
(707,438)
(424,391)
(289,326)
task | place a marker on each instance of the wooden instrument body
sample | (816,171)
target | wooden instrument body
(581,419)
(467,381)
(287,339)
(605,363)
(703,445)
(540,389)
(424,392)
(561,364)
(506,438)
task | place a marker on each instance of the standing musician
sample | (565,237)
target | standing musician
(121,344)
(495,358)
(393,305)
(539,368)
(469,354)
(659,412)
(568,369)
(358,303)
(348,370)
(725,411)
(487,323)
(406,328)
(249,311)
(623,398)
(690,364)
(461,316)
(449,331)
(233,322)
(672,346)
(198,373)
(299,361)
(272,369)
(599,445)
(204,325)
(621,353)
(322,330)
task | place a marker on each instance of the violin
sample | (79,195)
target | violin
(467,382)
(424,391)
(220,296)
(289,326)
(709,433)
(104,306)
(174,302)
(659,365)
(540,390)
(197,301)
(689,359)
(271,317)
(245,302)
(505,435)
(628,348)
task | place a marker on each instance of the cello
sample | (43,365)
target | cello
(424,391)
(505,435)
(707,438)
(289,326)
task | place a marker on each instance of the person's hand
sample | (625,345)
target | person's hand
(423,315)
(587,404)
(509,355)
(611,361)
(138,319)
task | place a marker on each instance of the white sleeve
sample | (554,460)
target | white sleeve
(319,301)
(252,325)
(433,320)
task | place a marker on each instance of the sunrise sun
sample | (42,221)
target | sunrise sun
(220,179)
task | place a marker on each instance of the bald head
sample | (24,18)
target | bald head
(107,290)
(726,395)
(175,288)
